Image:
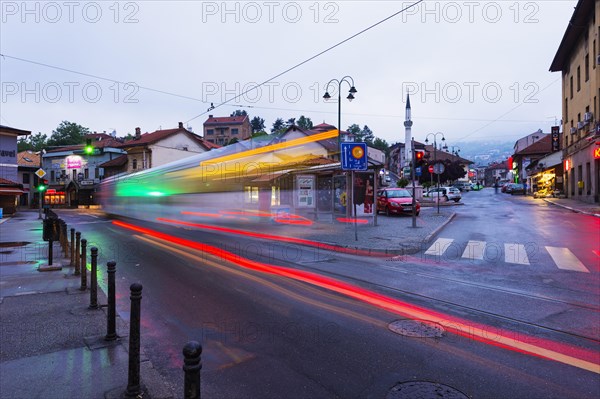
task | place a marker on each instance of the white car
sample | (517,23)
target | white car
(447,193)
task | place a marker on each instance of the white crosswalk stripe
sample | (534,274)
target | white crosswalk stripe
(566,260)
(474,250)
(514,253)
(439,246)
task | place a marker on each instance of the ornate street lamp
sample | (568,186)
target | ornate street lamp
(435,160)
(350,97)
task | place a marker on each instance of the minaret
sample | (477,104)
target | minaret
(407,134)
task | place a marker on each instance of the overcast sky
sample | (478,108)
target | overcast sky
(476,70)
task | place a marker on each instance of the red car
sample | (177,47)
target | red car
(396,200)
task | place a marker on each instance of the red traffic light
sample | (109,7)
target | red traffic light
(419,155)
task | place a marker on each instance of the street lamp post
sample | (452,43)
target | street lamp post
(326,96)
(435,162)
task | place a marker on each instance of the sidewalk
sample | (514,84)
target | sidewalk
(575,206)
(51,345)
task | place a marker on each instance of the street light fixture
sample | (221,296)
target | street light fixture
(326,96)
(454,152)
(435,160)
(350,97)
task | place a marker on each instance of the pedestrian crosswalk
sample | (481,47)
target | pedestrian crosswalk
(513,253)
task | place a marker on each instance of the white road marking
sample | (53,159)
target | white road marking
(474,250)
(516,253)
(439,246)
(566,260)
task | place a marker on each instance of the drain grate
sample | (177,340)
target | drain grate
(417,328)
(424,389)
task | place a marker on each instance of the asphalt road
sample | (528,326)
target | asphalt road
(269,336)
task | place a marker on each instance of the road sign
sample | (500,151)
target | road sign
(438,168)
(40,173)
(430,168)
(354,156)
(418,171)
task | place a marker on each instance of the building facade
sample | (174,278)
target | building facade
(10,188)
(578,60)
(227,129)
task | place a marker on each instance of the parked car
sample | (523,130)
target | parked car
(447,193)
(515,188)
(396,201)
(462,185)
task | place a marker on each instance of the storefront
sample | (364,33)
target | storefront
(54,197)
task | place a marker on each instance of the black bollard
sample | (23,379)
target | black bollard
(191,367)
(63,236)
(50,244)
(94,279)
(133,381)
(111,329)
(83,265)
(77,253)
(72,247)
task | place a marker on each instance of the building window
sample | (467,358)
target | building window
(25,178)
(74,174)
(234,131)
(134,164)
(595,55)
(587,67)
(571,86)
(86,173)
(52,176)
(566,109)
(251,195)
(578,78)
(588,178)
(210,132)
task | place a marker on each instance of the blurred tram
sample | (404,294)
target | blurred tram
(243,181)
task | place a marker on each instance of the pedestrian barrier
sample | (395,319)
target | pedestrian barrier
(83,265)
(134,388)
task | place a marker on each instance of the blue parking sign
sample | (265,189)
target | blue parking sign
(354,156)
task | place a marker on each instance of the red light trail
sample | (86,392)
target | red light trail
(514,341)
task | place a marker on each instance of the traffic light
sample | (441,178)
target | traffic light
(42,186)
(88,149)
(419,157)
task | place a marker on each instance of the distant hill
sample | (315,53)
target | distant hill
(485,152)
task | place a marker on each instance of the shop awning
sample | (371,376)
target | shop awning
(11,191)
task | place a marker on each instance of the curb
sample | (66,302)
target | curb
(572,209)
(440,227)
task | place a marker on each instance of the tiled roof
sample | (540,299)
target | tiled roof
(8,129)
(118,161)
(6,182)
(225,120)
(542,146)
(441,155)
(28,158)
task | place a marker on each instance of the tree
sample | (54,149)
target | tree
(290,122)
(354,129)
(67,133)
(238,112)
(257,124)
(381,144)
(35,142)
(278,125)
(367,135)
(305,123)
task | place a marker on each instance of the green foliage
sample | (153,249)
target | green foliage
(238,112)
(354,129)
(304,123)
(259,134)
(402,182)
(34,142)
(257,124)
(67,133)
(381,144)
(452,171)
(278,125)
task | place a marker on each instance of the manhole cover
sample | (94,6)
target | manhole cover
(424,390)
(417,328)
